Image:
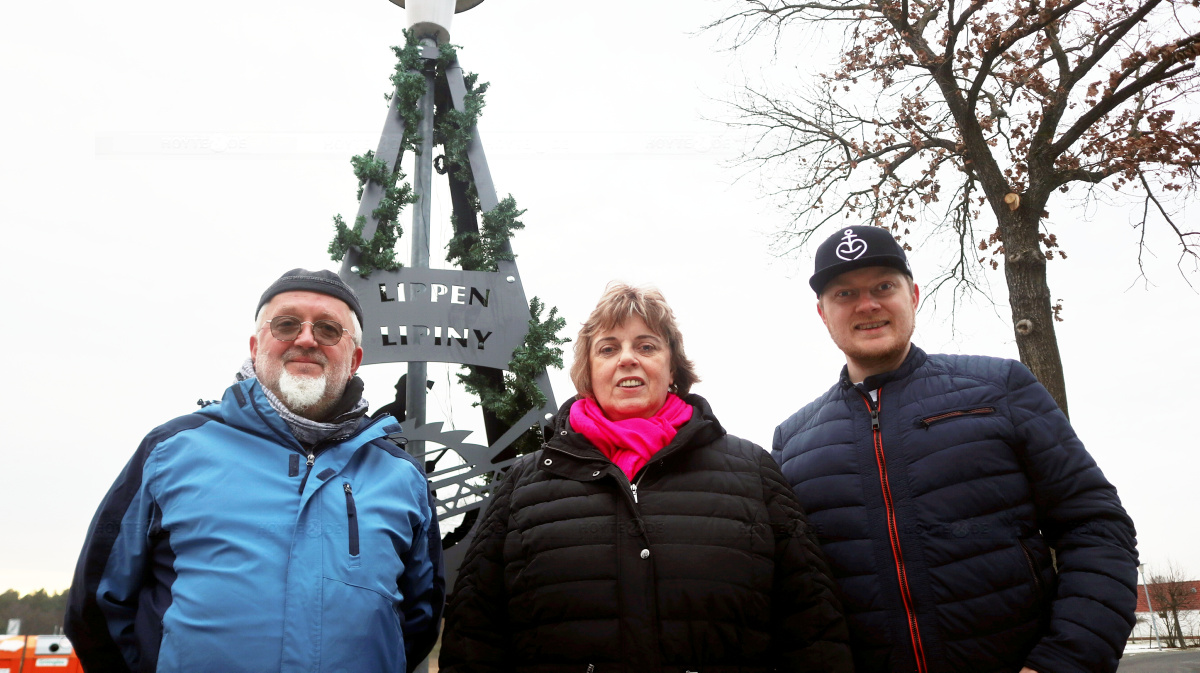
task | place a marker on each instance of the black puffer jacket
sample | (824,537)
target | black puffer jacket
(708,568)
(937,506)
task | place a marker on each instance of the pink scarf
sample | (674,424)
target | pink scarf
(630,443)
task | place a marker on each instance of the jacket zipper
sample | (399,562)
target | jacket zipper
(312,453)
(311,457)
(889,506)
(351,518)
(633,486)
(926,422)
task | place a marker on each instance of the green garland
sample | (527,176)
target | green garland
(409,82)
(481,251)
(471,251)
(517,392)
(453,130)
(520,393)
(380,251)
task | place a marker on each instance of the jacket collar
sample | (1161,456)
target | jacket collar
(344,418)
(246,407)
(915,358)
(574,457)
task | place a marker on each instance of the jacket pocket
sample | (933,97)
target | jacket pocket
(955,413)
(351,518)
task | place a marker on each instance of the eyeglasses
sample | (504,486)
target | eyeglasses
(288,328)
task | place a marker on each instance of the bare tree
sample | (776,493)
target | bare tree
(1171,592)
(940,107)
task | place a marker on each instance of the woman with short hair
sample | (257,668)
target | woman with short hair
(642,537)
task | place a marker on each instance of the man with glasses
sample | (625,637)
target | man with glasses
(279,529)
(938,485)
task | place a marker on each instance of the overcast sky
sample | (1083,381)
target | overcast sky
(164,162)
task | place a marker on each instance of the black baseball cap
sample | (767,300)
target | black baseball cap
(321,282)
(854,248)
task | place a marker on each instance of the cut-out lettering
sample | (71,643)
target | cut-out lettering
(454,335)
(387,339)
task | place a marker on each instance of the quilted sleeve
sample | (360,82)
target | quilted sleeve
(1082,519)
(476,639)
(810,630)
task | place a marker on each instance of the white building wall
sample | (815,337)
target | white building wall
(1189,621)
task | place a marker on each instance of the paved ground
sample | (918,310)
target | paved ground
(1161,662)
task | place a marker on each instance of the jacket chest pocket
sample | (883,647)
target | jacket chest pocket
(351,525)
(365,531)
(954,414)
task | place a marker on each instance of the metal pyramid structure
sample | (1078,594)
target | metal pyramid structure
(419,315)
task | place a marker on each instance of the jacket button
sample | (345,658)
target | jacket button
(563,433)
(547,461)
(645,553)
(596,473)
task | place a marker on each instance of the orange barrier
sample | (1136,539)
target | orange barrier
(37,654)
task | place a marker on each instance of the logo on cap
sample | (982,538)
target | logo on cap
(851,247)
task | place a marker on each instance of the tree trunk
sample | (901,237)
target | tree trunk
(1029,297)
(1024,262)
(1169,627)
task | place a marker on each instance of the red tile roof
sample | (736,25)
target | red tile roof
(1191,598)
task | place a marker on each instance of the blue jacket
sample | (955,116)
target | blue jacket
(220,549)
(937,508)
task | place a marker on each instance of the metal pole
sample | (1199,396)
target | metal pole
(1149,607)
(423,188)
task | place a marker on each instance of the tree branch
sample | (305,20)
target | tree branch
(1159,73)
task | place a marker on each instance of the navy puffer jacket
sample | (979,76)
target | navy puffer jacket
(937,508)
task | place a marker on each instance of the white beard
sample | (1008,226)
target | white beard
(301,392)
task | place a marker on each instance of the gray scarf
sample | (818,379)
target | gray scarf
(309,432)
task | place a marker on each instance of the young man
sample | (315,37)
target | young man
(938,486)
(276,530)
